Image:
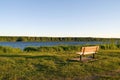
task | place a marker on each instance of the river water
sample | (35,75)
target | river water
(22,45)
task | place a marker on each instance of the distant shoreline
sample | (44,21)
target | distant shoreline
(51,39)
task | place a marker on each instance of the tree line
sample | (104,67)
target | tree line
(51,39)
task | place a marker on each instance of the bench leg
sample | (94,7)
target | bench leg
(80,57)
(93,56)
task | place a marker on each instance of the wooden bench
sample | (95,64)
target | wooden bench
(88,50)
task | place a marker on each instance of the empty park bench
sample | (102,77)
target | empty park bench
(88,50)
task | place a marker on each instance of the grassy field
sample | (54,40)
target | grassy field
(57,66)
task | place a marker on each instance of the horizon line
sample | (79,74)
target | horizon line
(57,36)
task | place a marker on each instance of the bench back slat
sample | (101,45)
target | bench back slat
(89,50)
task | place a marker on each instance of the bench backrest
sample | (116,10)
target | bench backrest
(89,50)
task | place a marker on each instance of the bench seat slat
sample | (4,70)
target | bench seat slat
(81,53)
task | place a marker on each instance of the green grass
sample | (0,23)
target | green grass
(57,66)
(70,48)
(7,49)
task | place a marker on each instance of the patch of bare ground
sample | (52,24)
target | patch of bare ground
(84,59)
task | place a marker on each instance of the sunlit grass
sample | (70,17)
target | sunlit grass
(56,66)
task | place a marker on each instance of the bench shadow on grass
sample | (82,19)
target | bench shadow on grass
(48,57)
(45,57)
(84,59)
(28,56)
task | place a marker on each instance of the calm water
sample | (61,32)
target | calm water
(22,45)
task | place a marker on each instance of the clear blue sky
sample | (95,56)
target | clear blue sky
(71,18)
